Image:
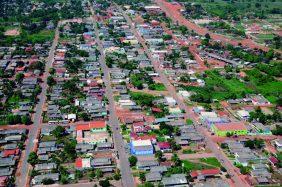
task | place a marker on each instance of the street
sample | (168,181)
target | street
(127,178)
(188,112)
(22,179)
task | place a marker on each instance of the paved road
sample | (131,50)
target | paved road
(22,179)
(188,111)
(127,178)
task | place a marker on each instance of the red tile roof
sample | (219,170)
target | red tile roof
(231,126)
(97,124)
(91,125)
(205,172)
(163,145)
(78,163)
(7,153)
(273,160)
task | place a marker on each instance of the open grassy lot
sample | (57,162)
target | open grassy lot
(42,36)
(220,88)
(195,166)
(157,87)
(265,84)
(265,36)
(240,8)
(211,161)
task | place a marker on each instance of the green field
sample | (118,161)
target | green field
(220,88)
(157,87)
(42,36)
(211,161)
(271,89)
(239,9)
(195,166)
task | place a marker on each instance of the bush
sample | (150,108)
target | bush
(132,160)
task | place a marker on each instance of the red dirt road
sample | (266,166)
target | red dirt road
(173,11)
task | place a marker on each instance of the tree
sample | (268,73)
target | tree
(91,175)
(58,132)
(207,36)
(142,176)
(32,158)
(117,175)
(26,120)
(167,37)
(104,183)
(78,174)
(19,77)
(148,184)
(189,121)
(176,160)
(85,116)
(159,155)
(132,160)
(228,134)
(98,173)
(51,81)
(48,181)
(52,71)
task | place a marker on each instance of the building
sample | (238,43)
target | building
(141,147)
(94,126)
(175,180)
(235,128)
(203,174)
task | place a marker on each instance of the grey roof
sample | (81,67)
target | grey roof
(147,163)
(153,177)
(212,183)
(159,169)
(47,144)
(6,171)
(38,179)
(9,161)
(101,161)
(45,166)
(176,179)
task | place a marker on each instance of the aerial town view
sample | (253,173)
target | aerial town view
(141,93)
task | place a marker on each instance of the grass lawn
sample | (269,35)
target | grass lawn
(161,139)
(265,36)
(47,138)
(188,151)
(211,161)
(195,166)
(220,88)
(42,36)
(157,87)
(271,89)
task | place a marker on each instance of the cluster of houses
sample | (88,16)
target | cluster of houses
(22,67)
(93,150)
(12,143)
(76,57)
(142,143)
(258,163)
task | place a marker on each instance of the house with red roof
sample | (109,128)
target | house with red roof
(3,181)
(164,147)
(232,128)
(205,173)
(82,163)
(273,160)
(94,126)
(140,127)
(10,152)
